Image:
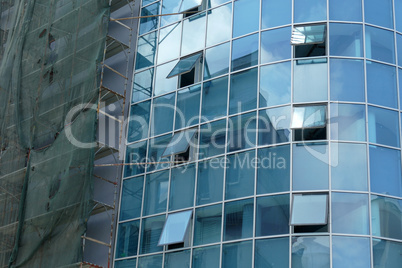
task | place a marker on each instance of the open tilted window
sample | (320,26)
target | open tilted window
(190,7)
(309,122)
(175,231)
(309,212)
(309,40)
(181,146)
(189,70)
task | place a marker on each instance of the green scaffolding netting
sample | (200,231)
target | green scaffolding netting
(50,54)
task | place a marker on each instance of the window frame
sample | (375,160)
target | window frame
(311,46)
(325,212)
(195,66)
(184,231)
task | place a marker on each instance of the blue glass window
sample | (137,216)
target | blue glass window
(246,17)
(180,142)
(307,249)
(237,255)
(188,107)
(210,181)
(193,37)
(310,81)
(135,153)
(275,80)
(145,51)
(182,183)
(309,209)
(212,139)
(177,259)
(139,121)
(346,40)
(379,13)
(276,13)
(350,213)
(214,99)
(347,80)
(350,252)
(399,47)
(400,87)
(207,225)
(216,61)
(383,126)
(386,220)
(345,10)
(310,167)
(245,52)
(127,239)
(126,263)
(238,220)
(163,84)
(219,25)
(142,86)
(215,3)
(386,253)
(189,4)
(162,114)
(146,2)
(272,252)
(150,232)
(240,172)
(272,215)
(156,192)
(169,43)
(380,44)
(314,116)
(175,228)
(348,122)
(185,65)
(206,257)
(243,91)
(131,198)
(151,20)
(242,131)
(273,126)
(152,261)
(155,151)
(349,166)
(170,7)
(310,10)
(385,171)
(381,84)
(398,17)
(273,171)
(275,45)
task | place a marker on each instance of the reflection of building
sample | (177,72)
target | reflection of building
(294,109)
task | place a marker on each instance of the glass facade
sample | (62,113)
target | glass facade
(295,155)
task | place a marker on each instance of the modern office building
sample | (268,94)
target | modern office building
(264,133)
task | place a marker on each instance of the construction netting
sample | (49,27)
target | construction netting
(50,56)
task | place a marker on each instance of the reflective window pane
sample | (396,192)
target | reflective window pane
(350,213)
(310,167)
(245,52)
(170,7)
(311,34)
(275,84)
(142,86)
(349,166)
(125,263)
(216,61)
(350,252)
(219,25)
(193,38)
(275,45)
(127,239)
(207,225)
(238,221)
(212,139)
(175,228)
(246,17)
(348,122)
(135,153)
(385,171)
(182,187)
(310,251)
(272,252)
(399,48)
(309,116)
(387,253)
(240,172)
(150,20)
(398,17)
(145,51)
(189,4)
(162,114)
(131,198)
(214,99)
(206,257)
(381,84)
(210,181)
(156,148)
(177,259)
(310,10)
(383,126)
(163,84)
(273,172)
(237,255)
(243,91)
(169,43)
(310,81)
(154,261)
(386,217)
(242,131)
(185,65)
(273,125)
(380,44)
(276,13)
(272,215)
(139,121)
(351,38)
(346,10)
(156,191)
(150,232)
(379,13)
(347,80)
(400,87)
(309,209)
(188,107)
